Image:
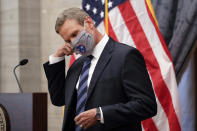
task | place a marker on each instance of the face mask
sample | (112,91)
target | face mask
(83,43)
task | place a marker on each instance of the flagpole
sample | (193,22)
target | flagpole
(152,10)
(106,17)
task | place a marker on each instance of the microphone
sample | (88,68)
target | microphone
(21,63)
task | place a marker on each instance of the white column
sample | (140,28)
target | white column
(29,44)
(9,44)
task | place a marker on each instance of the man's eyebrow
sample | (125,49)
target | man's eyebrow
(75,32)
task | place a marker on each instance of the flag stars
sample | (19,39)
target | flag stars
(110,4)
(87,7)
(94,10)
(102,14)
(103,2)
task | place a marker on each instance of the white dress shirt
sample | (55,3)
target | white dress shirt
(96,55)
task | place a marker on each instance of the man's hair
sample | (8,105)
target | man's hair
(72,13)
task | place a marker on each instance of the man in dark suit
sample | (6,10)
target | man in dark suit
(118,93)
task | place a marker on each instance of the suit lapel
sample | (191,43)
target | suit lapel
(75,76)
(101,64)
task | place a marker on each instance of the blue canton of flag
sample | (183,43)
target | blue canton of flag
(96,8)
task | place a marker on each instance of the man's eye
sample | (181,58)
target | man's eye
(74,35)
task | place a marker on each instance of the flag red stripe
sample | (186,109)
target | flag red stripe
(149,124)
(164,47)
(143,45)
(72,59)
(158,33)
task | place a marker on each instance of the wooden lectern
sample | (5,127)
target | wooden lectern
(27,112)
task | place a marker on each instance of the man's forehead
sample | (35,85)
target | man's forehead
(69,25)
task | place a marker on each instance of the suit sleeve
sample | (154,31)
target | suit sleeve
(55,74)
(139,92)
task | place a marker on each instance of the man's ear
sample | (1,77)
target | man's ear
(88,23)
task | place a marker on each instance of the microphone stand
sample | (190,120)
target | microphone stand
(17,78)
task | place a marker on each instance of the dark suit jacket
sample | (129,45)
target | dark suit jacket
(120,85)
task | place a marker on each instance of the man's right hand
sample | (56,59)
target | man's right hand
(64,50)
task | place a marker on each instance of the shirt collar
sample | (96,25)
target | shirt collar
(100,46)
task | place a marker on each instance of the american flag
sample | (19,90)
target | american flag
(131,22)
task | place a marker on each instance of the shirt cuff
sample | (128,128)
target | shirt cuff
(102,119)
(53,59)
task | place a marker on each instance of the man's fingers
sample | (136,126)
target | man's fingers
(67,50)
(67,44)
(86,119)
(77,118)
(87,124)
(81,120)
(64,50)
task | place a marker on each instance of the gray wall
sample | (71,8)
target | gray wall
(27,31)
(20,38)
(0,42)
(29,44)
(9,44)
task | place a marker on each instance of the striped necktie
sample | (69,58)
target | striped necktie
(82,89)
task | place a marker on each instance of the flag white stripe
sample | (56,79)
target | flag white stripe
(162,125)
(120,28)
(101,28)
(162,58)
